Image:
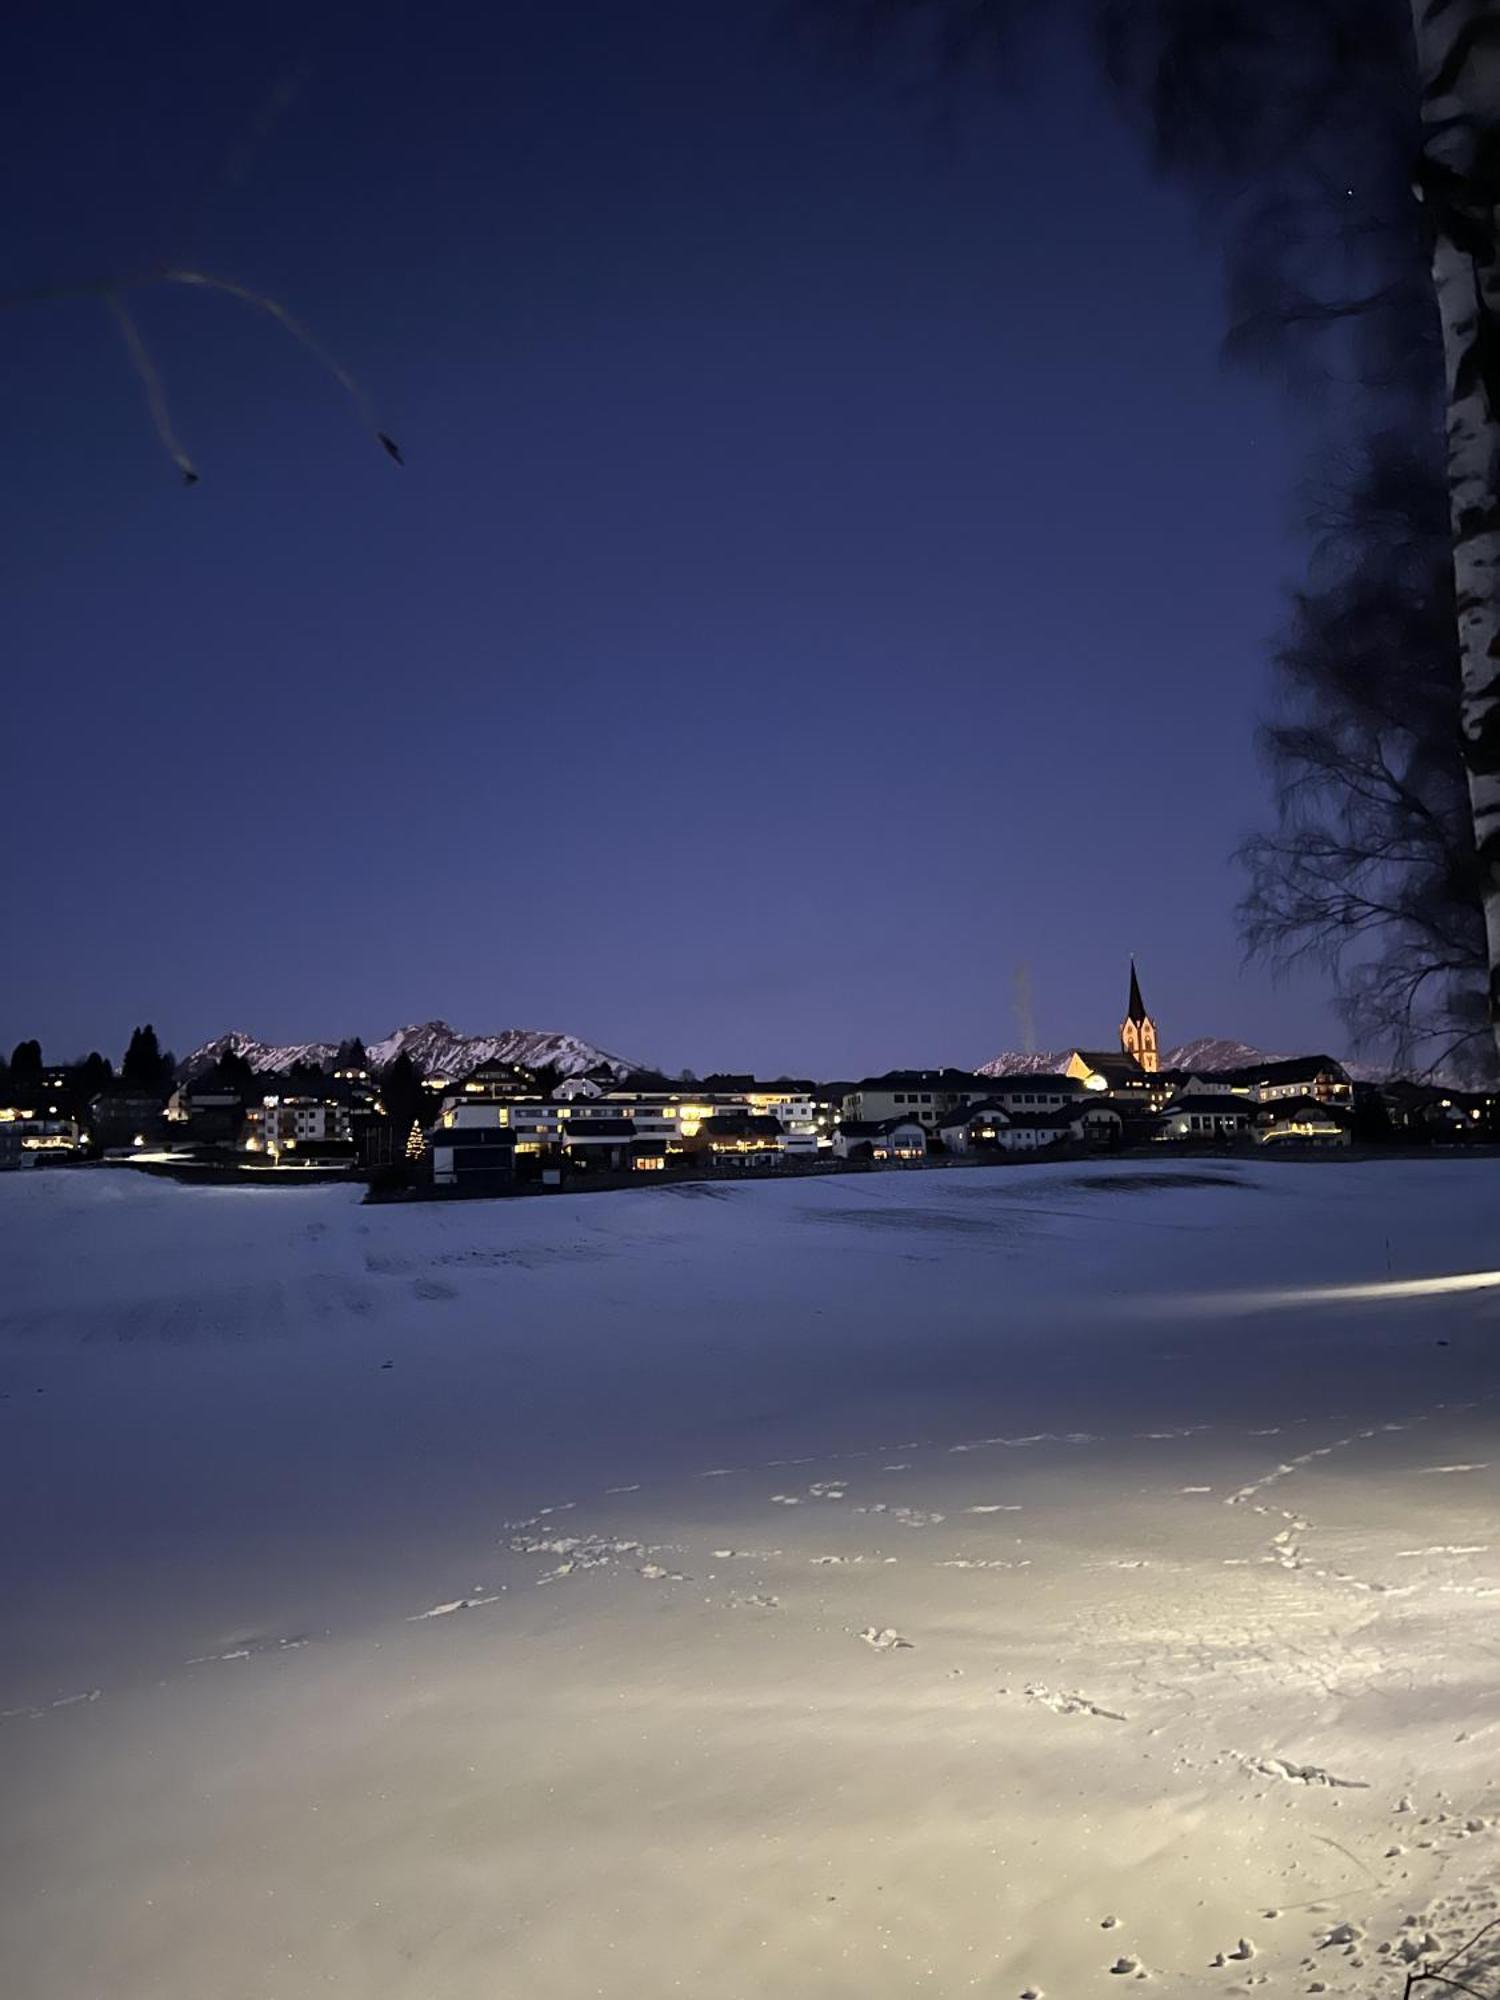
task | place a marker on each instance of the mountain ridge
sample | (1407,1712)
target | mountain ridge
(434,1046)
(1207,1055)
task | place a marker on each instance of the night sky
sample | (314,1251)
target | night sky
(832,568)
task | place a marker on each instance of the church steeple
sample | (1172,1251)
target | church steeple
(1136,1011)
(1138,1030)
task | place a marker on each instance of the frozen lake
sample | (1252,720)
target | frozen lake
(881,1585)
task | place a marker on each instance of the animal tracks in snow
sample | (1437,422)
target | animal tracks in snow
(1301,1774)
(1448,1549)
(885,1639)
(453,1606)
(1070,1704)
(909,1517)
(1288,1467)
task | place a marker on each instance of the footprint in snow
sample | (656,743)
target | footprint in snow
(1242,1951)
(1302,1774)
(1071,1704)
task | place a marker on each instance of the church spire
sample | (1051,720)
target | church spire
(1136,1011)
(1138,1030)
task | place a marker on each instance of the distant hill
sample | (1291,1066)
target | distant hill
(433,1046)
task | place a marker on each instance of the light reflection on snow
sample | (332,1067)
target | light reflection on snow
(1390,1289)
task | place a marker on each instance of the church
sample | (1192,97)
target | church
(1138,1060)
(1138,1030)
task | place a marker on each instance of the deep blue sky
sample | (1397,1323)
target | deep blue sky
(832,566)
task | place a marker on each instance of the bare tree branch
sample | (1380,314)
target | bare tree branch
(112,291)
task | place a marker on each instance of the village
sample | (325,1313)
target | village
(506,1126)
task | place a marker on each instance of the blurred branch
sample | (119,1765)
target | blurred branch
(112,290)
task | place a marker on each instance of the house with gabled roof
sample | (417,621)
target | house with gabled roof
(926,1095)
(884,1140)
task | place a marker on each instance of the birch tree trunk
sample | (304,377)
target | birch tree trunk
(1458,180)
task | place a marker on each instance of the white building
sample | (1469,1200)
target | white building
(886,1140)
(28,1136)
(930,1096)
(1037,1093)
(299,1119)
(1203,1117)
(673,1119)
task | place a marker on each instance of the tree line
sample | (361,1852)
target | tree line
(145,1067)
(148,1070)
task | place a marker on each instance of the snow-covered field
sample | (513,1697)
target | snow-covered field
(1001,1581)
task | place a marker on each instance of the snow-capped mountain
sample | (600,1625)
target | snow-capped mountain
(1037,1062)
(436,1048)
(1205,1056)
(269,1057)
(1210,1053)
(433,1046)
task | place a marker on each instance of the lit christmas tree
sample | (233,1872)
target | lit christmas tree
(416,1144)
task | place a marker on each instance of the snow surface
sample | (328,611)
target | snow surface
(992,1580)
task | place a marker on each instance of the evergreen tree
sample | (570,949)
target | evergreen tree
(95,1073)
(546,1077)
(235,1072)
(145,1067)
(406,1102)
(26,1066)
(352,1054)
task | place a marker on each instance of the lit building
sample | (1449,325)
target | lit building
(1203,1116)
(1304,1121)
(30,1135)
(208,1110)
(746,1139)
(499,1082)
(1039,1092)
(1318,1077)
(926,1095)
(1121,1078)
(308,1119)
(997,1127)
(883,1140)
